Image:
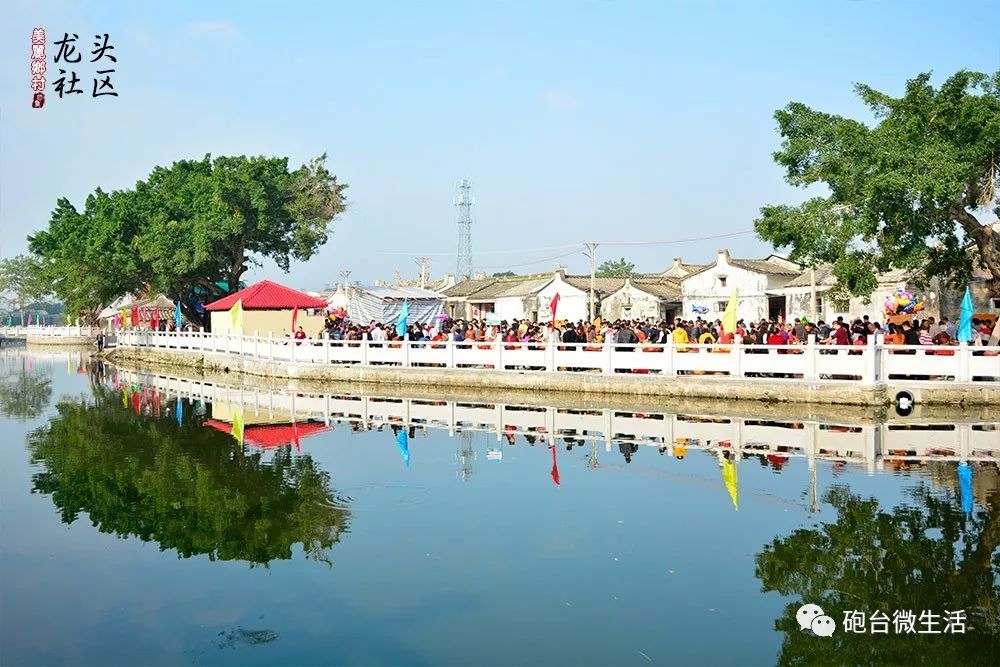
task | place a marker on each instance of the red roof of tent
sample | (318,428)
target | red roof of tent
(266,295)
(270,436)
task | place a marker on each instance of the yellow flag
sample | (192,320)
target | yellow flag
(69,321)
(238,425)
(729,318)
(597,323)
(236,316)
(729,478)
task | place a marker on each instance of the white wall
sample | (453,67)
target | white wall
(643,305)
(574,303)
(510,308)
(704,289)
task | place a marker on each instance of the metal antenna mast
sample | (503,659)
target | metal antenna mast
(423,262)
(464,202)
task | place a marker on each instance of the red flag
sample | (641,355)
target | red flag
(135,316)
(295,431)
(553,305)
(555,468)
(156,318)
(295,318)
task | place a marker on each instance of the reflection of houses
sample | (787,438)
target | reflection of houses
(706,291)
(268,308)
(271,436)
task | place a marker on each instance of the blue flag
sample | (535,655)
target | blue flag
(403,442)
(965,486)
(180,410)
(177,314)
(404,314)
(965,319)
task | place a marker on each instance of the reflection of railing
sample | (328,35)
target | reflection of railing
(868,363)
(42,331)
(868,443)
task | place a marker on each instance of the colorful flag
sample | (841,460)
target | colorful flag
(404,315)
(965,319)
(29,319)
(553,305)
(403,442)
(177,315)
(69,320)
(965,487)
(180,410)
(729,479)
(729,318)
(135,316)
(238,424)
(236,316)
(555,467)
(295,318)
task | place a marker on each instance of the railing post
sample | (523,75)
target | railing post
(326,348)
(550,353)
(293,343)
(964,354)
(812,349)
(737,356)
(871,361)
(606,357)
(365,343)
(270,346)
(406,353)
(498,342)
(451,353)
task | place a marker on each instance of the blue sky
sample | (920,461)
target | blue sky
(574,120)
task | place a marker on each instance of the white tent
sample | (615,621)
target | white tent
(384,304)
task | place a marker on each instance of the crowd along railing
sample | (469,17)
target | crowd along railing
(856,363)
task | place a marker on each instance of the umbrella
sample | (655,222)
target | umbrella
(729,479)
(403,442)
(965,486)
(965,319)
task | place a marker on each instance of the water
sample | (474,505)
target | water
(131,538)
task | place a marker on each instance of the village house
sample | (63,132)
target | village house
(643,298)
(706,291)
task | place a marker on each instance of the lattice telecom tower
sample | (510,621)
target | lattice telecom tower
(464,201)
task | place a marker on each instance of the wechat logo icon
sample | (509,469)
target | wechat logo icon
(812,619)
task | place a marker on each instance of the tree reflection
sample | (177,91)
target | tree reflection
(927,555)
(187,488)
(24,394)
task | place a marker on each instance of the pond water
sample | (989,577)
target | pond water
(347,529)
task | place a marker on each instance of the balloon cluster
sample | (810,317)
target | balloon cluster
(903,301)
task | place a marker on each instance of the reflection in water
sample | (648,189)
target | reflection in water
(925,555)
(185,487)
(25,391)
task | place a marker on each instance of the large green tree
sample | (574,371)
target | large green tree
(188,488)
(620,268)
(923,555)
(916,190)
(22,282)
(191,230)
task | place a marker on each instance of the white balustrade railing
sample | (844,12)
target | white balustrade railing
(867,364)
(48,331)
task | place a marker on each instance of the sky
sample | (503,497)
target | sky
(574,121)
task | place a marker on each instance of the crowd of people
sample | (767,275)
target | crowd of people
(631,333)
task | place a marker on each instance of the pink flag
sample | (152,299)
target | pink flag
(553,305)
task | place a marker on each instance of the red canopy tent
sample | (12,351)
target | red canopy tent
(271,436)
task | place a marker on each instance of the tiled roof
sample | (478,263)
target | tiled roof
(764,266)
(825,277)
(603,285)
(467,287)
(266,295)
(510,287)
(270,436)
(665,289)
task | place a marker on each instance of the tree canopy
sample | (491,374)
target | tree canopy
(190,230)
(914,191)
(187,488)
(22,282)
(615,269)
(924,555)
(503,274)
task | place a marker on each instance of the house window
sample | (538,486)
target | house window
(996,303)
(841,305)
(722,281)
(720,306)
(819,305)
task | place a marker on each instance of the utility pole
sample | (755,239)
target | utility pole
(345,274)
(812,295)
(422,262)
(591,252)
